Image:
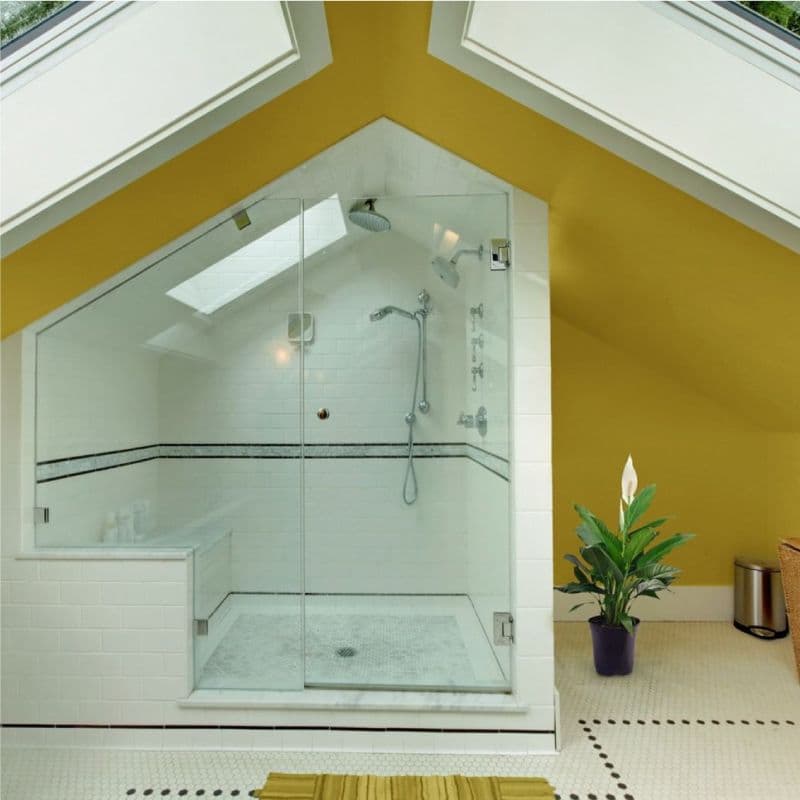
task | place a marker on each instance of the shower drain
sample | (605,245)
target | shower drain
(346,652)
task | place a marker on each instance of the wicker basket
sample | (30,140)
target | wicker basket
(789,552)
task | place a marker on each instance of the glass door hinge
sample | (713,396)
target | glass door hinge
(201,627)
(503,628)
(501,254)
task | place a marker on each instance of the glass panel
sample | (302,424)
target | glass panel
(406,559)
(168,416)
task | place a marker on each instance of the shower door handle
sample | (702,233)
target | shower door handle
(323,413)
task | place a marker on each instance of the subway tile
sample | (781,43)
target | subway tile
(533,631)
(55,616)
(532,437)
(101,617)
(534,582)
(532,390)
(534,535)
(533,489)
(531,342)
(80,594)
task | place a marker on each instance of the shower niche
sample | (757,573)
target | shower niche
(364,547)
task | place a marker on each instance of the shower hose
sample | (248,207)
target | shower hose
(410,481)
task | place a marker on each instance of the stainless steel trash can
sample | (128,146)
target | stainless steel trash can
(759,607)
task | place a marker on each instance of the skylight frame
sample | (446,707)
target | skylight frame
(297,229)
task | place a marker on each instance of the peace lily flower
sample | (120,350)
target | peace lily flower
(629,481)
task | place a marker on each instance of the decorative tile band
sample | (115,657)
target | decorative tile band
(95,462)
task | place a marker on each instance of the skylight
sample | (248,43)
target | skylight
(262,259)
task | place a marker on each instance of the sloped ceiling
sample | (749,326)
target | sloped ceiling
(635,262)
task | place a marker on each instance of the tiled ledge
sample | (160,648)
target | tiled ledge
(344,700)
(97,554)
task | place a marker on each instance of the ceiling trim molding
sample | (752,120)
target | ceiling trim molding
(310,52)
(449,41)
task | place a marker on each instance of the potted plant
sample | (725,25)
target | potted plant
(617,568)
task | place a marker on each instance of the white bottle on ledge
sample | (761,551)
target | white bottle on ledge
(110,529)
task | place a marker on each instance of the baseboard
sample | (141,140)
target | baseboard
(682,604)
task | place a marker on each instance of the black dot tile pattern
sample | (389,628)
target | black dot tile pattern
(184,792)
(593,736)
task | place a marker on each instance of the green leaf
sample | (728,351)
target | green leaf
(639,505)
(656,523)
(602,561)
(579,588)
(578,605)
(594,531)
(637,541)
(660,550)
(579,568)
(627,622)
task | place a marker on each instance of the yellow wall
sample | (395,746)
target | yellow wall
(708,463)
(653,275)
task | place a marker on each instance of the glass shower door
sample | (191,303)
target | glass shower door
(405,443)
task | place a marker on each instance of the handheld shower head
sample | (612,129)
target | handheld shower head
(379,314)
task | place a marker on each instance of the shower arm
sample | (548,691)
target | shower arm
(478,251)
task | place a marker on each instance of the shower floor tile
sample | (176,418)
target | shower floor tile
(428,642)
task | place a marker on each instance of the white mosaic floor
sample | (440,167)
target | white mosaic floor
(435,642)
(709,714)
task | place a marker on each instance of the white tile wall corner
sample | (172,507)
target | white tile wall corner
(531,454)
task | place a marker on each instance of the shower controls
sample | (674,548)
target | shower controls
(477,341)
(476,371)
(323,413)
(479,420)
(476,312)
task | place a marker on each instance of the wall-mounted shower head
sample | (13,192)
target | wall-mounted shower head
(446,270)
(365,216)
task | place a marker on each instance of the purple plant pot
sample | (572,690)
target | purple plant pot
(613,647)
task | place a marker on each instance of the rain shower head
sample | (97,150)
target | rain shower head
(365,216)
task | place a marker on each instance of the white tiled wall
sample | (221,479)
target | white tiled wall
(93,396)
(108,641)
(531,454)
(93,641)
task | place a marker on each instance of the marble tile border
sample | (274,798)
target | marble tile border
(94,462)
(61,468)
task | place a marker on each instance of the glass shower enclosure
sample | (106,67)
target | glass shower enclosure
(312,397)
